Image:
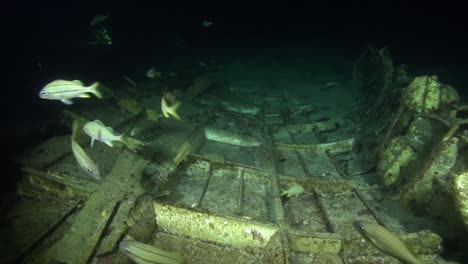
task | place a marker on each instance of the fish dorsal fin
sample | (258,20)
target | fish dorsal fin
(110,129)
(78,82)
(58,82)
(99,122)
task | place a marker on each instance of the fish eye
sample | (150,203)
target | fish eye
(361,227)
(43,93)
(89,170)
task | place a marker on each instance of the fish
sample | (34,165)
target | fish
(293,190)
(332,84)
(83,159)
(64,91)
(152,73)
(98,131)
(169,111)
(142,253)
(240,108)
(206,23)
(98,19)
(385,241)
(183,152)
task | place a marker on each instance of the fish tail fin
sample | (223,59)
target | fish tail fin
(75,128)
(173,111)
(100,90)
(132,144)
(124,136)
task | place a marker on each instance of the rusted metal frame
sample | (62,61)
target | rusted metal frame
(326,219)
(335,163)
(318,201)
(47,232)
(438,118)
(454,129)
(32,193)
(59,159)
(205,186)
(241,190)
(102,236)
(278,211)
(299,157)
(56,179)
(390,129)
(343,174)
(373,213)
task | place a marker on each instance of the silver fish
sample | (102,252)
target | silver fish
(152,73)
(64,91)
(146,254)
(98,131)
(385,241)
(82,157)
(206,23)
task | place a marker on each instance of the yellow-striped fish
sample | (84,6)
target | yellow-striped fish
(146,254)
(386,241)
(170,110)
(98,131)
(82,157)
(64,91)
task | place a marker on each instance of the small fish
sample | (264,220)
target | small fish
(98,131)
(145,254)
(206,23)
(152,73)
(386,241)
(183,152)
(64,91)
(82,157)
(293,190)
(98,19)
(331,84)
(170,111)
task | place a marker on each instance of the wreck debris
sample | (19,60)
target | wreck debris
(205,201)
(442,160)
(241,190)
(78,246)
(460,193)
(395,156)
(228,137)
(209,173)
(427,95)
(240,108)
